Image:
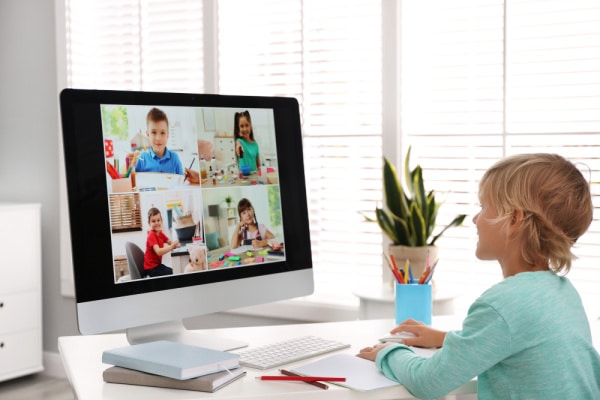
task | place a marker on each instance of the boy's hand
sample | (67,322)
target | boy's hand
(192,176)
(425,336)
(133,157)
(175,244)
(370,353)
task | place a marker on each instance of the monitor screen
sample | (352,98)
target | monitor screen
(182,205)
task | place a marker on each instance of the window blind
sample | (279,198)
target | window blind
(152,45)
(478,80)
(325,54)
(491,78)
(328,56)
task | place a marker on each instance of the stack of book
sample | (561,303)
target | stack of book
(172,365)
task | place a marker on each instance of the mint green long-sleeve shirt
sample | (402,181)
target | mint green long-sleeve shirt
(526,337)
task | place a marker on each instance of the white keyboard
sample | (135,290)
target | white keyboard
(288,351)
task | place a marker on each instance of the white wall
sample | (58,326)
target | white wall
(29,149)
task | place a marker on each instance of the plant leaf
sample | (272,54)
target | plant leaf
(419,193)
(432,210)
(395,199)
(367,218)
(457,221)
(418,225)
(402,232)
(407,171)
(409,216)
(386,224)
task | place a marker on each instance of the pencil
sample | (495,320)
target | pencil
(300,378)
(431,270)
(132,163)
(423,277)
(426,270)
(394,262)
(410,274)
(397,274)
(112,171)
(314,383)
(192,163)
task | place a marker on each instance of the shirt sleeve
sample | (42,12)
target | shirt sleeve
(139,164)
(164,237)
(152,239)
(483,342)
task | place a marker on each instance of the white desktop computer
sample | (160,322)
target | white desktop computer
(182,205)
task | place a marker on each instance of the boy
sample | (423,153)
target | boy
(528,336)
(157,245)
(158,158)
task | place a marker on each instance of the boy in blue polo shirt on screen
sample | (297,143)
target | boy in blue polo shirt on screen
(158,158)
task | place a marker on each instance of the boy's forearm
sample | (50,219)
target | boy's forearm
(161,251)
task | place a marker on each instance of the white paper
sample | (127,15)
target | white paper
(360,374)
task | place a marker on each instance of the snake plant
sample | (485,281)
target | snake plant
(410,214)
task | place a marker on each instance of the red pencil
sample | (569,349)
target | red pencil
(397,274)
(300,378)
(401,276)
(321,385)
(112,171)
(394,261)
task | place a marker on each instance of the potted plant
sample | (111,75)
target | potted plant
(230,210)
(409,216)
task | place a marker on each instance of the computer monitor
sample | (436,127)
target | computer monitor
(221,175)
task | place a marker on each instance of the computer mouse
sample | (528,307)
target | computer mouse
(396,337)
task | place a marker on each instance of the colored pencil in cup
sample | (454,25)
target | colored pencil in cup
(396,273)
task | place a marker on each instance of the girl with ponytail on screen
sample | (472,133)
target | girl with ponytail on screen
(248,231)
(246,147)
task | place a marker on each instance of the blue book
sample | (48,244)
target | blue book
(171,359)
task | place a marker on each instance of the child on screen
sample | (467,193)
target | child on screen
(248,231)
(246,148)
(158,158)
(528,336)
(157,245)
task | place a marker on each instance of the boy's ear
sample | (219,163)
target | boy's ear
(516,220)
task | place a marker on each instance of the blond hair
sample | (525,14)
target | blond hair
(555,200)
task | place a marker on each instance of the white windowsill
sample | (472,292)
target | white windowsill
(300,310)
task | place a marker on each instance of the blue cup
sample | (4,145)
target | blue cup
(245,170)
(413,301)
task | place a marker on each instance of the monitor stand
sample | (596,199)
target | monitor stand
(175,331)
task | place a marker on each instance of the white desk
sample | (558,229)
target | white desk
(81,356)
